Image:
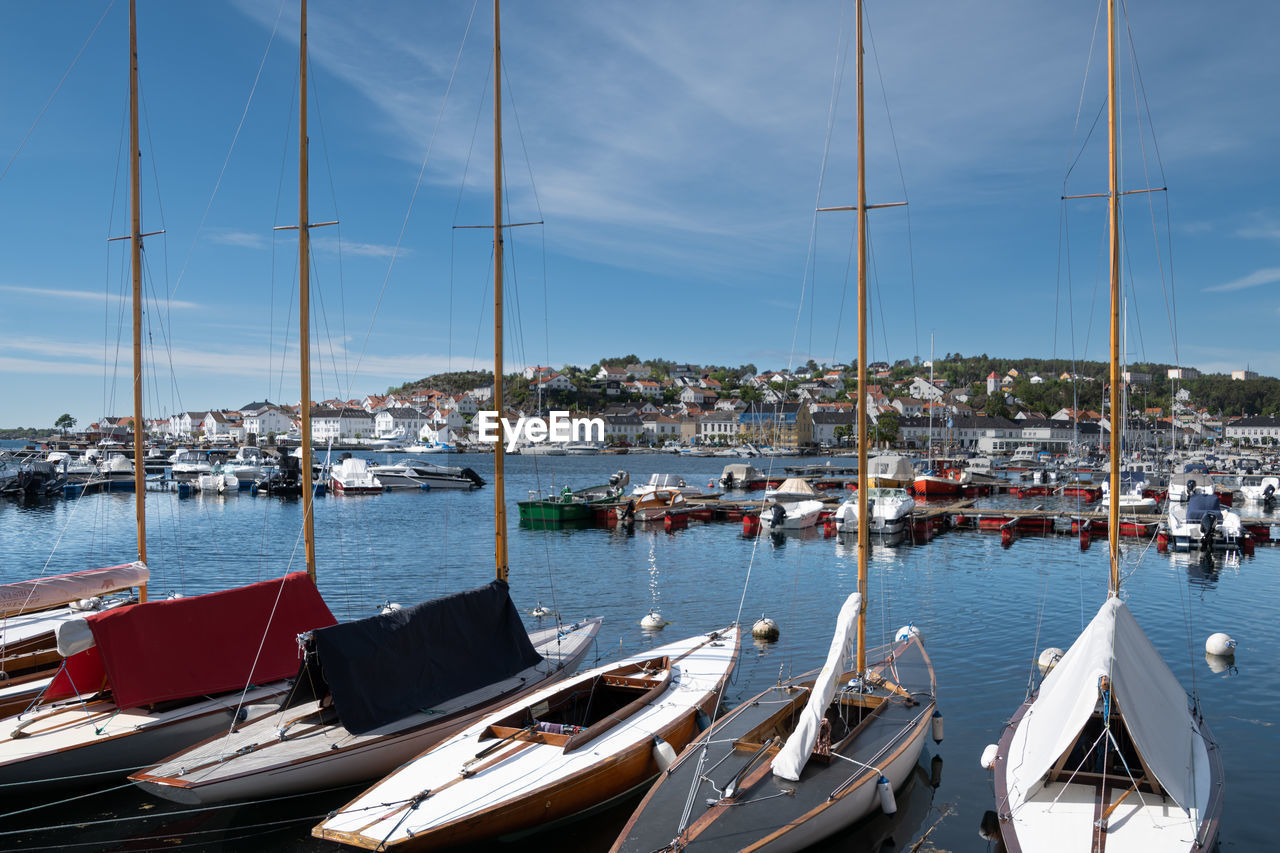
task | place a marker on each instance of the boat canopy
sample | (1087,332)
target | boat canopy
(791,759)
(1149,697)
(1199,505)
(741,472)
(891,467)
(385,667)
(41,593)
(183,647)
(794,487)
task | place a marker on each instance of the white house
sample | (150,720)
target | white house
(660,428)
(718,427)
(646,387)
(923,389)
(553,382)
(442,426)
(223,426)
(267,420)
(402,422)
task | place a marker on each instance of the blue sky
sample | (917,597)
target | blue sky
(673,151)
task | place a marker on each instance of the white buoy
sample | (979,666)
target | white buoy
(663,753)
(765,629)
(1221,645)
(391,607)
(1049,659)
(653,622)
(906,632)
(988,759)
(937,726)
(540,611)
(888,804)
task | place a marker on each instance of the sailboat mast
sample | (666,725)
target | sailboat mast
(1113,200)
(863,521)
(499,491)
(304,305)
(135,244)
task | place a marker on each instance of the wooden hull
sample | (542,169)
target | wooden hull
(936,487)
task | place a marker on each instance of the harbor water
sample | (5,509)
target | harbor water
(985,612)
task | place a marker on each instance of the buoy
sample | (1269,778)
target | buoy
(1221,645)
(937,725)
(750,525)
(1246,545)
(988,759)
(653,622)
(1162,542)
(888,804)
(989,829)
(540,611)
(391,607)
(668,522)
(711,484)
(908,631)
(829,528)
(663,753)
(1085,538)
(765,629)
(1049,659)
(1006,537)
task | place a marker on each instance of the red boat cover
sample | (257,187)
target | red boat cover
(206,644)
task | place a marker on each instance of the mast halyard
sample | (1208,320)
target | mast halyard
(861,408)
(304,306)
(135,243)
(499,491)
(1113,202)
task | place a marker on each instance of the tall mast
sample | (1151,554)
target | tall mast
(135,244)
(304,306)
(863,521)
(1113,201)
(499,492)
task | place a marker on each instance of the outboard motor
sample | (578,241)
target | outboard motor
(629,514)
(1269,494)
(473,477)
(1191,488)
(1207,523)
(727,480)
(619,479)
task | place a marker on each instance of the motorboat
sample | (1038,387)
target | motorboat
(222,479)
(777,516)
(420,474)
(352,476)
(890,511)
(1203,524)
(651,505)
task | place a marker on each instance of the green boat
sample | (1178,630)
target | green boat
(570,508)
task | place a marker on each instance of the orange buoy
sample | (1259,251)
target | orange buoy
(1006,537)
(1246,545)
(1162,542)
(829,528)
(750,525)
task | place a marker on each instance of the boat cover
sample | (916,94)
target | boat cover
(892,467)
(183,647)
(796,486)
(791,759)
(383,668)
(1151,701)
(37,594)
(1200,505)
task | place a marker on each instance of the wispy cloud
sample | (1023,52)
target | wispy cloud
(1270,275)
(349,247)
(58,294)
(1261,231)
(242,239)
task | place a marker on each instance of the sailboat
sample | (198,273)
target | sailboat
(1110,753)
(371,692)
(811,755)
(561,750)
(138,681)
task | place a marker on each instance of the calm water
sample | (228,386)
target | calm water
(985,612)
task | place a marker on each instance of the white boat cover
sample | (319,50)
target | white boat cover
(41,593)
(796,486)
(791,759)
(892,467)
(73,636)
(1150,699)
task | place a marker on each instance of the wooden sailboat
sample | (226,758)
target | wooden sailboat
(1110,753)
(139,681)
(372,692)
(561,750)
(814,754)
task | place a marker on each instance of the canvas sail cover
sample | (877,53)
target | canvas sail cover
(383,668)
(1150,698)
(41,593)
(791,759)
(179,648)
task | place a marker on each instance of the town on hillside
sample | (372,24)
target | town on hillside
(909,404)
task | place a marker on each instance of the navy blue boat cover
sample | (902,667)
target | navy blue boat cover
(386,667)
(1200,505)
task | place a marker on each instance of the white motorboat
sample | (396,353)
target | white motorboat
(419,474)
(777,516)
(890,511)
(222,479)
(186,464)
(352,476)
(1263,491)
(1203,524)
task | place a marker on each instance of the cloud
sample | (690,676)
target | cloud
(58,294)
(242,239)
(364,250)
(1270,275)
(1263,231)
